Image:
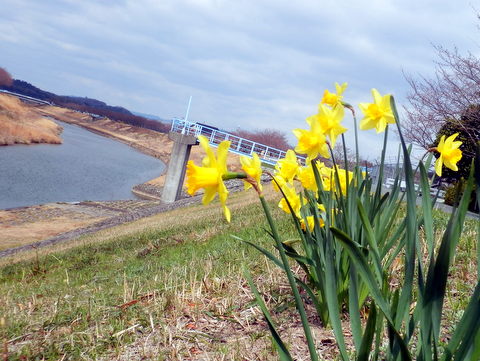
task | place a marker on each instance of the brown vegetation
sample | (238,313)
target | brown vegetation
(5,78)
(271,137)
(20,124)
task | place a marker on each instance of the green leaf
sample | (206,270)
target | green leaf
(291,279)
(370,330)
(354,308)
(411,231)
(466,331)
(372,242)
(427,209)
(437,279)
(283,352)
(361,265)
(363,269)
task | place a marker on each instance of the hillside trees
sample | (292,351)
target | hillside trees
(5,78)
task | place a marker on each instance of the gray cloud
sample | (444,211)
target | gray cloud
(247,64)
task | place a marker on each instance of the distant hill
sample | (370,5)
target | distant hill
(151,116)
(87,105)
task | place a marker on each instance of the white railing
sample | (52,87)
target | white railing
(238,145)
(26,97)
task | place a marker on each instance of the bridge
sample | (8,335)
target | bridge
(238,145)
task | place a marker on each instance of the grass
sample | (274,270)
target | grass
(156,276)
(169,287)
(20,125)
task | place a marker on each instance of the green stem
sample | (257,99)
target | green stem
(291,280)
(234,175)
(356,138)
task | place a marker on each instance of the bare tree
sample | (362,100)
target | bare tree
(452,91)
(5,78)
(271,137)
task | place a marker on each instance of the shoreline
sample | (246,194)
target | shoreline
(148,190)
(25,227)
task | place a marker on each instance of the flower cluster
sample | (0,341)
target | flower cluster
(316,142)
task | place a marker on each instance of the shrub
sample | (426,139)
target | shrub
(5,78)
(454,193)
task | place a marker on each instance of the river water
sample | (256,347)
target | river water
(86,166)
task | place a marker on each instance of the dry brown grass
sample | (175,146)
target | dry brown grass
(21,124)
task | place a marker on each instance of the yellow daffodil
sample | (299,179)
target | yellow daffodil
(287,167)
(278,182)
(329,179)
(377,114)
(253,167)
(334,99)
(311,142)
(329,120)
(307,177)
(311,223)
(450,155)
(343,177)
(209,175)
(293,199)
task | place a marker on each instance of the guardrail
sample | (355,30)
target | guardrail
(238,145)
(26,97)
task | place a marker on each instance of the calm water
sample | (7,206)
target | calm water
(85,167)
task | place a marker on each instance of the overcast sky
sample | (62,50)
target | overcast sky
(249,64)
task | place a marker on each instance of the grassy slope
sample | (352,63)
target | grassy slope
(68,301)
(19,124)
(168,287)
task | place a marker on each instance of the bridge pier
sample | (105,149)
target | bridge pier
(182,144)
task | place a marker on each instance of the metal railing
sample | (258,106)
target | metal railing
(238,145)
(26,97)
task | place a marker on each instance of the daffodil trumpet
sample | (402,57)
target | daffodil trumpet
(450,154)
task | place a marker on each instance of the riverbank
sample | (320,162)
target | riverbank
(32,228)
(26,226)
(147,141)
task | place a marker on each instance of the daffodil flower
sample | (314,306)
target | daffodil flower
(307,177)
(253,167)
(210,175)
(450,155)
(329,120)
(293,198)
(287,167)
(311,223)
(311,142)
(278,182)
(329,179)
(334,99)
(377,114)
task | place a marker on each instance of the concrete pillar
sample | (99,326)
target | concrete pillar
(182,144)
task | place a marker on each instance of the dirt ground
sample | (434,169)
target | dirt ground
(27,225)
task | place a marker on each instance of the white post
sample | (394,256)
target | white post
(188,108)
(186,115)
